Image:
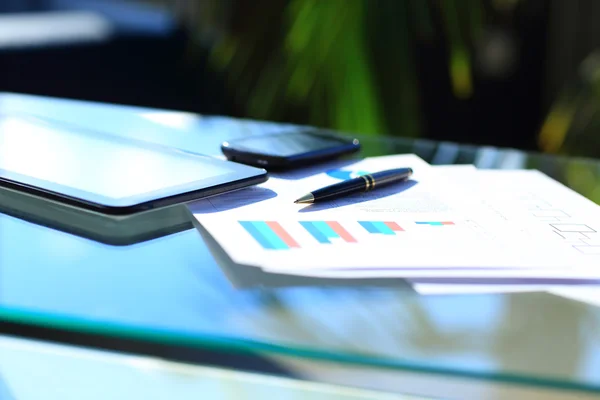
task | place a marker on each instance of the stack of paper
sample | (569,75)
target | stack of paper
(448,229)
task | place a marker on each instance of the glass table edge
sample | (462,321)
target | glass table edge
(240,345)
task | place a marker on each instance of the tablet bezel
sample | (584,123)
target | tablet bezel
(236,177)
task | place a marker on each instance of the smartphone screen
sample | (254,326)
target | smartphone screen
(290,144)
(290,149)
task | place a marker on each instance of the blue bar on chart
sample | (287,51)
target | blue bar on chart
(269,234)
(381,227)
(322,231)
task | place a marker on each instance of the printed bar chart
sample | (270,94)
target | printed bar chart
(381,227)
(435,223)
(323,231)
(269,234)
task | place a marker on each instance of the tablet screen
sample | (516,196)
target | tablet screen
(99,167)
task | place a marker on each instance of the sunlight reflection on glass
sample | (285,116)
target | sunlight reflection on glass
(92,163)
(172,119)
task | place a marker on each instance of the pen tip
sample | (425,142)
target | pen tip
(306,199)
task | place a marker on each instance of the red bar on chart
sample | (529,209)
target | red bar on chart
(283,234)
(394,226)
(343,233)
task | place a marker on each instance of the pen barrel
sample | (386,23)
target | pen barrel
(362,184)
(341,189)
(390,176)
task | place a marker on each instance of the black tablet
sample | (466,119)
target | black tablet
(105,172)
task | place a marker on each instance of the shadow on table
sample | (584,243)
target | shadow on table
(232,200)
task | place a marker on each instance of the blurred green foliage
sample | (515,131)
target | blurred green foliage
(349,65)
(572,128)
(573,123)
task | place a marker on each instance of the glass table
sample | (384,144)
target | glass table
(171,290)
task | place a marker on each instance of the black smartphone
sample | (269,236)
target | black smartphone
(289,150)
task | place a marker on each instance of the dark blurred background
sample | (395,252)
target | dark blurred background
(516,73)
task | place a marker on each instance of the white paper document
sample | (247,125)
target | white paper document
(532,202)
(277,195)
(432,226)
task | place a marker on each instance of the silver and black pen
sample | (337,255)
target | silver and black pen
(362,183)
